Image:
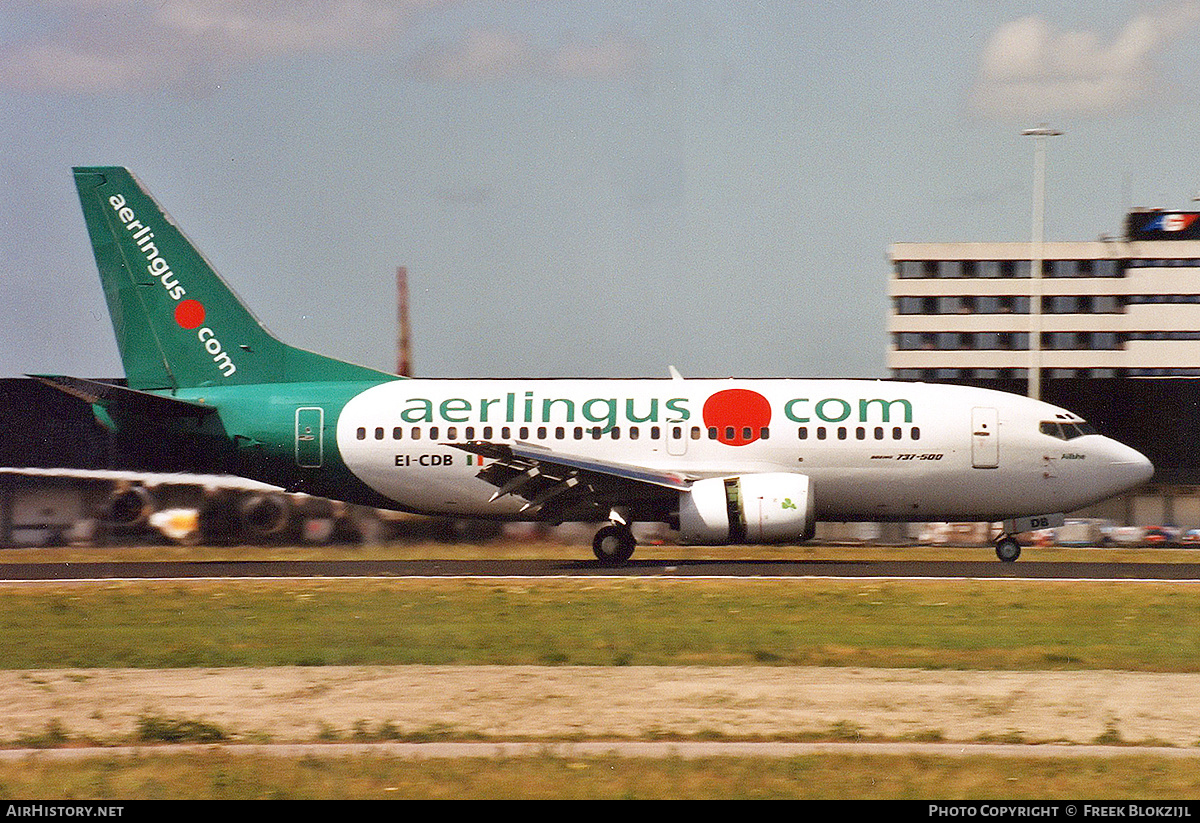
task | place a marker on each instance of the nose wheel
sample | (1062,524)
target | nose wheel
(614,545)
(1008,549)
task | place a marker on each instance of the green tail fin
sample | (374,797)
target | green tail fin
(178,325)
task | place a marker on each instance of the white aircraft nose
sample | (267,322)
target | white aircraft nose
(1127,468)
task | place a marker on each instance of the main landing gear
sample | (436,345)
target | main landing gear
(1007,548)
(614,544)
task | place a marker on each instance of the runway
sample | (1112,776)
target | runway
(776,569)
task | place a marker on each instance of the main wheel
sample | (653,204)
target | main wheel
(1008,549)
(613,545)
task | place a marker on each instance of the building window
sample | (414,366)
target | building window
(915,269)
(1063,268)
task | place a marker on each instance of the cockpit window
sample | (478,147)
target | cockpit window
(1066,431)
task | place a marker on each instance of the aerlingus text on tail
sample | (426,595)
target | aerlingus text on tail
(189,313)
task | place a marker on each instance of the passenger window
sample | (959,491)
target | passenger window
(879,432)
(433,432)
(452,433)
(633,432)
(524,433)
(487,432)
(765,434)
(803,433)
(362,433)
(505,433)
(712,432)
(416,433)
(729,432)
(397,433)
(560,433)
(820,432)
(695,432)
(860,433)
(654,432)
(469,433)
(579,432)
(541,432)
(916,433)
(379,432)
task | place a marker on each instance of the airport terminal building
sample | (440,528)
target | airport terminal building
(1119,332)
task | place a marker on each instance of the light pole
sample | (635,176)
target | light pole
(1035,257)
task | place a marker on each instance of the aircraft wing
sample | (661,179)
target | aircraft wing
(564,486)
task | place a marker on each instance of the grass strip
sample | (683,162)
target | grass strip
(228,776)
(987,624)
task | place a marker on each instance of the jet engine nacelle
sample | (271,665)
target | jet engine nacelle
(265,515)
(129,506)
(751,508)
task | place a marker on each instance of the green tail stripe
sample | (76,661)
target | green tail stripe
(178,324)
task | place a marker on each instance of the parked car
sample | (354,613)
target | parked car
(1190,538)
(1084,531)
(1127,535)
(1160,536)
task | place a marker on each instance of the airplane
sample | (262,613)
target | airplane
(723,461)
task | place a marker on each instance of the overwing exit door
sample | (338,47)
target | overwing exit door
(985,438)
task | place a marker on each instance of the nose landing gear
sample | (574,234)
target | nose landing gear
(1007,548)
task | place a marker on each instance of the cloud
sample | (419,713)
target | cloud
(186,45)
(483,56)
(1029,70)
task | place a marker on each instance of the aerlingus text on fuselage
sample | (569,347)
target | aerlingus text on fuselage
(530,407)
(189,313)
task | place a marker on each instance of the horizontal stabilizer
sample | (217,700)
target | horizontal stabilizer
(109,395)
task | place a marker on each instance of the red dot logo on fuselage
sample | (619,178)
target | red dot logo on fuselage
(738,415)
(189,313)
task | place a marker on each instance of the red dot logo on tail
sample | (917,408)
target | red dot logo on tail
(737,410)
(189,314)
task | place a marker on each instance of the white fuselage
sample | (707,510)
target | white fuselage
(873,450)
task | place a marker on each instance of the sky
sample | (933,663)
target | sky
(577,188)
